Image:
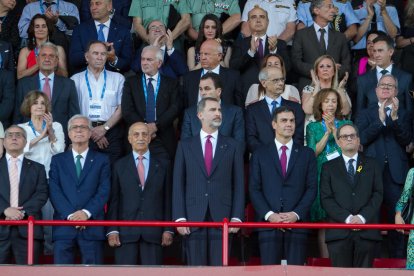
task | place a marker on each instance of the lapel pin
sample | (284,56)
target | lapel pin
(359,168)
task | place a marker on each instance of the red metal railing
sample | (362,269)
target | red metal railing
(225,225)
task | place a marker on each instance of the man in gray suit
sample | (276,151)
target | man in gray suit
(308,45)
(60,90)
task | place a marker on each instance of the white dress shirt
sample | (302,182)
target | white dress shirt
(213,140)
(318,33)
(19,162)
(105,30)
(379,69)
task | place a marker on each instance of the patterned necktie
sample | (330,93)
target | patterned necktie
(322,40)
(101,36)
(46,89)
(208,154)
(351,170)
(78,165)
(283,159)
(150,108)
(141,171)
(14,182)
(387,111)
(260,48)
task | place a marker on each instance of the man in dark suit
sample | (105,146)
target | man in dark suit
(23,192)
(174,63)
(367,83)
(60,90)
(351,192)
(386,130)
(120,11)
(6,56)
(259,130)
(207,185)
(141,190)
(116,37)
(232,116)
(7,96)
(282,188)
(211,54)
(79,183)
(308,45)
(153,98)
(247,53)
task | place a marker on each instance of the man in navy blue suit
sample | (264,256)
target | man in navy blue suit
(282,186)
(116,37)
(207,185)
(386,130)
(79,183)
(232,116)
(259,129)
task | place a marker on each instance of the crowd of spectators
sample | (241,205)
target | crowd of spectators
(151,107)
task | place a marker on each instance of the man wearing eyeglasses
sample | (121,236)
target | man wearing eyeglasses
(23,192)
(351,193)
(259,129)
(386,130)
(79,182)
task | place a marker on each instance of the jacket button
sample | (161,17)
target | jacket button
(206,194)
(353,194)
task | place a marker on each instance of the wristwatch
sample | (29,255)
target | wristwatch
(106,127)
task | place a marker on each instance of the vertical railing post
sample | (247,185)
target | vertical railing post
(30,239)
(225,242)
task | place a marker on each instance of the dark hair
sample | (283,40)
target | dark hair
(315,4)
(320,98)
(281,109)
(338,130)
(30,99)
(261,89)
(31,42)
(214,77)
(388,40)
(92,42)
(378,33)
(219,30)
(148,26)
(202,103)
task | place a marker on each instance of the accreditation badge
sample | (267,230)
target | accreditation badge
(332,155)
(95,109)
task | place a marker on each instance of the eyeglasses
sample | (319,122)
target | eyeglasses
(15,135)
(156,28)
(275,81)
(345,137)
(387,86)
(79,127)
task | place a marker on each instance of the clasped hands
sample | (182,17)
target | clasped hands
(79,216)
(287,217)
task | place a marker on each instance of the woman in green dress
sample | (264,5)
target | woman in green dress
(321,137)
(402,202)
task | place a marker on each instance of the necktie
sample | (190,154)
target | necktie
(46,88)
(208,154)
(78,165)
(387,111)
(47,4)
(374,21)
(150,109)
(14,182)
(274,106)
(322,40)
(283,159)
(260,49)
(384,72)
(351,170)
(101,36)
(141,171)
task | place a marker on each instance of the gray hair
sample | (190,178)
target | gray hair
(338,130)
(16,126)
(315,4)
(49,44)
(158,53)
(389,76)
(79,116)
(264,73)
(202,103)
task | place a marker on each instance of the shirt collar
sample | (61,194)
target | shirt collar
(204,134)
(270,100)
(83,154)
(146,155)
(215,70)
(155,77)
(107,23)
(289,144)
(91,74)
(317,27)
(379,69)
(19,158)
(346,158)
(51,76)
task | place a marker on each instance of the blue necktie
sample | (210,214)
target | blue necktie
(150,109)
(351,171)
(101,36)
(274,106)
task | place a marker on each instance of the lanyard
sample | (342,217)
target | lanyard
(89,87)
(324,129)
(36,51)
(42,9)
(33,129)
(144,84)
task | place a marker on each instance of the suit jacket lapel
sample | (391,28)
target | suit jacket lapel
(4,174)
(221,148)
(87,165)
(71,167)
(112,32)
(152,171)
(26,163)
(314,37)
(55,93)
(198,152)
(138,89)
(292,159)
(358,167)
(276,160)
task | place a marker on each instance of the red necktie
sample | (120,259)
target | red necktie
(141,171)
(46,89)
(283,159)
(208,154)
